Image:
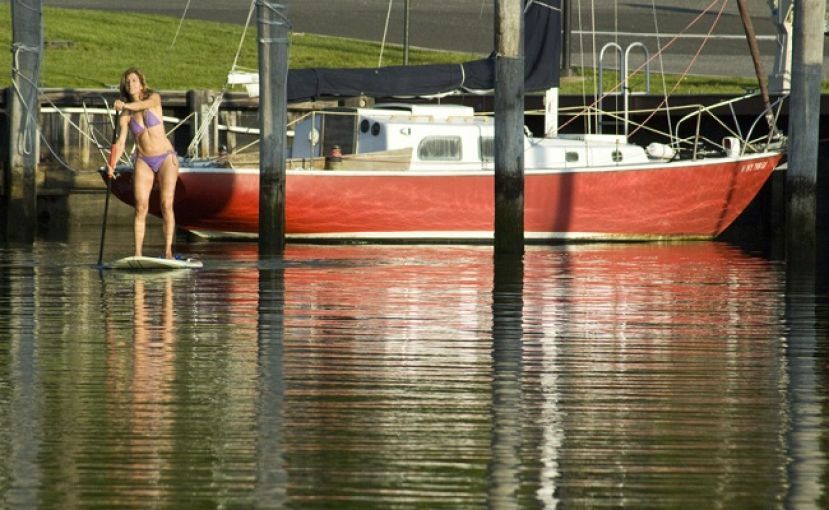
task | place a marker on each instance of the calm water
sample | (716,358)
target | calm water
(637,375)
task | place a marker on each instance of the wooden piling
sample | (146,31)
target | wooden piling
(273,79)
(509,128)
(804,122)
(23,106)
(198,103)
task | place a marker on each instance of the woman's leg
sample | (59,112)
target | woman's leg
(142,184)
(167,177)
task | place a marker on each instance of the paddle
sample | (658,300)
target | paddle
(112,163)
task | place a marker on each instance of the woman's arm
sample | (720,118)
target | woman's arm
(120,142)
(136,106)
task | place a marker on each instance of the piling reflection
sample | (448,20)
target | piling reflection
(806,357)
(507,361)
(271,478)
(21,413)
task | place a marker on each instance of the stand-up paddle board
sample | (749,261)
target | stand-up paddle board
(154,263)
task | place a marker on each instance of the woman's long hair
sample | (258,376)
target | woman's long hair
(124,88)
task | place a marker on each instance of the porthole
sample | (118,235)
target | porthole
(617,156)
(364,125)
(571,157)
(375,129)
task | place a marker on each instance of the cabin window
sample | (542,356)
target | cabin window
(617,156)
(487,148)
(571,157)
(439,148)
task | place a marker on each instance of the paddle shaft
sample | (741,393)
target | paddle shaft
(104,223)
(109,189)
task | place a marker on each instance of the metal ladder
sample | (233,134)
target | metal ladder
(622,56)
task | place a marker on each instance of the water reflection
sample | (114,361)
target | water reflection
(150,420)
(358,376)
(271,481)
(507,354)
(21,413)
(140,377)
(807,385)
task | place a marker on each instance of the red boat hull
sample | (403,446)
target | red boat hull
(678,200)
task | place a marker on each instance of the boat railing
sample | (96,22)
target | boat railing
(748,140)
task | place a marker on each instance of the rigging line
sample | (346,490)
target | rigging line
(279,13)
(55,155)
(593,29)
(244,33)
(91,126)
(21,3)
(201,131)
(690,63)
(619,64)
(587,118)
(668,45)
(662,71)
(480,19)
(385,33)
(541,4)
(720,37)
(180,22)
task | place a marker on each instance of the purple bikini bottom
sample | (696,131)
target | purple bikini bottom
(155,162)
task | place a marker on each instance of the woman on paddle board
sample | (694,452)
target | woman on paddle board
(154,157)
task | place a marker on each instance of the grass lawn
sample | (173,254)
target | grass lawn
(90,49)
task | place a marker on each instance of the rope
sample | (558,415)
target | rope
(385,33)
(180,23)
(594,45)
(204,125)
(24,144)
(690,63)
(662,71)
(676,37)
(587,118)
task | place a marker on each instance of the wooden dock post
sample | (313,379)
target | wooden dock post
(804,122)
(273,80)
(509,127)
(20,205)
(198,103)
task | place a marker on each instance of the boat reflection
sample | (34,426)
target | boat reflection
(639,364)
(579,375)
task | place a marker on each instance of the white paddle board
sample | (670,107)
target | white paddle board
(154,263)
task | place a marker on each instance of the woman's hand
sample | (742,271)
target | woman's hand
(119,105)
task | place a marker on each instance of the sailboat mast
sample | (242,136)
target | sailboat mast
(751,38)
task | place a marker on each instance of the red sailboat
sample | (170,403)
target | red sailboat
(425,171)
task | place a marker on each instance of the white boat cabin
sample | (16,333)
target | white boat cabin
(441,137)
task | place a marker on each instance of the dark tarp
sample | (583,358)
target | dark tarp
(542,53)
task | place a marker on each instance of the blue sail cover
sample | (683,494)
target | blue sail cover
(542,53)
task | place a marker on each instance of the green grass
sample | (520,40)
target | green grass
(90,49)
(103,44)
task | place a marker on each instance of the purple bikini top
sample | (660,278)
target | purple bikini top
(150,120)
